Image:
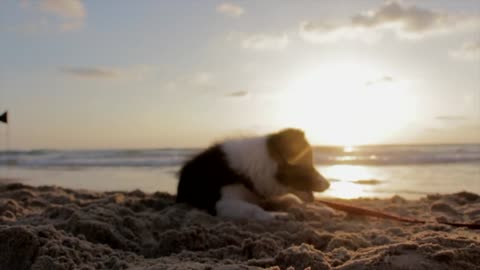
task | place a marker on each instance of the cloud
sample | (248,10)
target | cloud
(230,9)
(407,18)
(263,42)
(65,15)
(198,80)
(325,32)
(133,72)
(468,51)
(384,79)
(64,8)
(451,118)
(238,94)
(202,78)
(72,13)
(90,72)
(404,21)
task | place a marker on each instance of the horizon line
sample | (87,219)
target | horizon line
(201,147)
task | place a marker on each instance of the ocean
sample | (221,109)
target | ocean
(410,171)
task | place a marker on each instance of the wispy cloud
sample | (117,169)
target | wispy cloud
(469,51)
(325,32)
(64,8)
(230,10)
(264,42)
(90,72)
(408,19)
(238,94)
(384,79)
(410,22)
(65,15)
(134,72)
(202,78)
(451,118)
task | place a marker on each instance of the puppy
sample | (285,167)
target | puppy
(235,178)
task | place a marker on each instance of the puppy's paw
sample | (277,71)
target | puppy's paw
(262,215)
(280,215)
(323,210)
(305,196)
(268,216)
(282,203)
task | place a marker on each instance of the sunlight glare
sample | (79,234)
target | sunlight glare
(346,104)
(346,190)
(343,185)
(347,172)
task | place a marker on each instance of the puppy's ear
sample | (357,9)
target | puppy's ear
(287,144)
(291,133)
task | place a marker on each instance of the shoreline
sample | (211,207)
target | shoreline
(49,227)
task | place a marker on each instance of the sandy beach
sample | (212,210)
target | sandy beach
(112,111)
(50,227)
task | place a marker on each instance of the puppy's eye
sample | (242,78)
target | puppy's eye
(298,145)
(298,156)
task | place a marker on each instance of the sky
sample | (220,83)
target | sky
(140,74)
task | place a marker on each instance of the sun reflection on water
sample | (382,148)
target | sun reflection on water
(342,181)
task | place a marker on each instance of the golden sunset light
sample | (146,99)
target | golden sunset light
(222,134)
(348,104)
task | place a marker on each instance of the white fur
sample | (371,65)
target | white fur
(239,203)
(238,192)
(250,157)
(238,209)
(288,199)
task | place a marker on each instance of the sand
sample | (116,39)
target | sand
(56,228)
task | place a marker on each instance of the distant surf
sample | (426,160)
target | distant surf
(361,155)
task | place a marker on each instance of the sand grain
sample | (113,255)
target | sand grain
(56,228)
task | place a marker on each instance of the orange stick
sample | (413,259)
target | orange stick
(373,213)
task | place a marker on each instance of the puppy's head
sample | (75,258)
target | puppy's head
(294,156)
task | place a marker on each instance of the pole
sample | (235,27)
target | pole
(4,119)
(8,151)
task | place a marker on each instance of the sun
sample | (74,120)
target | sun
(347,103)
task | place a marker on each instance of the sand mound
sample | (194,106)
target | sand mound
(56,228)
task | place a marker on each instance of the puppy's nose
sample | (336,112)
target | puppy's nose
(327,184)
(320,183)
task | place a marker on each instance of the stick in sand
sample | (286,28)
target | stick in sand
(373,213)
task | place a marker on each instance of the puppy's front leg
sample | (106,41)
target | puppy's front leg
(283,202)
(238,209)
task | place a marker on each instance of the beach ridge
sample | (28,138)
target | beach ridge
(50,227)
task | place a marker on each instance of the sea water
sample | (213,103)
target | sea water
(410,171)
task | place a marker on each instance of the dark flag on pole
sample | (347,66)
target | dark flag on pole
(4,117)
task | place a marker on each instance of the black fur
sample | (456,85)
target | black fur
(202,178)
(299,174)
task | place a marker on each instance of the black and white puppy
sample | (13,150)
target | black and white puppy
(233,178)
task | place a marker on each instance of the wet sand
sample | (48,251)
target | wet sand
(50,227)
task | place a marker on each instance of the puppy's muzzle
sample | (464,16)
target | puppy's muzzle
(320,183)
